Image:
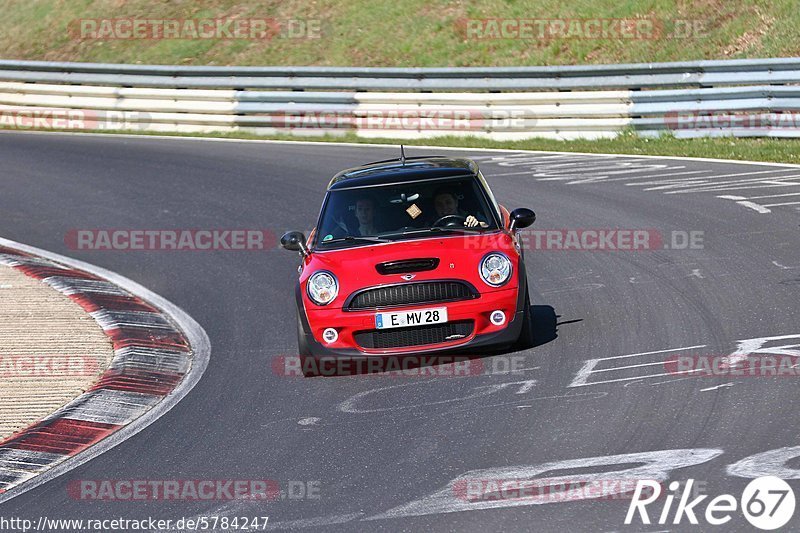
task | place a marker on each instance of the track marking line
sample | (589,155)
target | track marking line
(779,205)
(651,353)
(754,206)
(747,185)
(783,267)
(767,196)
(724,385)
(677,373)
(581,379)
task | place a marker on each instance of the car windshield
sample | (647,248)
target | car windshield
(386,213)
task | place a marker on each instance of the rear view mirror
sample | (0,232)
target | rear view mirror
(295,241)
(521,218)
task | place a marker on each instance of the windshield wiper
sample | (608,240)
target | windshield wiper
(352,238)
(437,229)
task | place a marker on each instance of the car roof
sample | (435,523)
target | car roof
(400,171)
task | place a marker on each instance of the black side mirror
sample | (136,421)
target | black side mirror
(521,218)
(295,241)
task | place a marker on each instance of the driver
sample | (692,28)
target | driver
(445,203)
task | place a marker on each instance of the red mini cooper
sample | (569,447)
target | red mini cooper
(411,255)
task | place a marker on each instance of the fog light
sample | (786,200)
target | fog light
(498,318)
(331,335)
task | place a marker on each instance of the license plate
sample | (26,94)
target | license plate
(405,319)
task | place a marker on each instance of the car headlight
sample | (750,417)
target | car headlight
(322,287)
(495,269)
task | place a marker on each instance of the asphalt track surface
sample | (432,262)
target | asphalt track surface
(374,452)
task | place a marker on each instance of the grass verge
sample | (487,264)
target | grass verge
(407,33)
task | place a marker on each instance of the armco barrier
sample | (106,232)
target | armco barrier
(702,98)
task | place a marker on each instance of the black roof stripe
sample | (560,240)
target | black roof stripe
(393,171)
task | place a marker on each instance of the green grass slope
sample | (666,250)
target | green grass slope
(407,33)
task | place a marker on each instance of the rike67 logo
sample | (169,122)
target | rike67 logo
(767,503)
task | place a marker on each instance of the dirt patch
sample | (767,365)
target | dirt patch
(51,350)
(750,40)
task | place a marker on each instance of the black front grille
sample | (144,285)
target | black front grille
(411,293)
(416,336)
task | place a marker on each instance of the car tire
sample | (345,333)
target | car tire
(302,341)
(526,336)
(308,362)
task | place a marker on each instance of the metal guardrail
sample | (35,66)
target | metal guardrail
(701,98)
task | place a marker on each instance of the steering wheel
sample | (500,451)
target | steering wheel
(449,221)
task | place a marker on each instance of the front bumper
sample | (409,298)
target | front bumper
(484,333)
